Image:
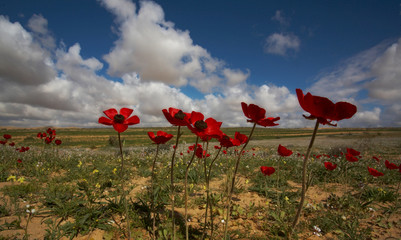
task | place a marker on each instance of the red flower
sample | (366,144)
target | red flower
(12,144)
(119,121)
(267,170)
(283,151)
(200,153)
(176,117)
(330,166)
(48,140)
(3,142)
(390,165)
(41,135)
(57,141)
(160,138)
(226,141)
(374,172)
(19,161)
(353,152)
(257,115)
(206,130)
(324,110)
(241,137)
(351,158)
(7,136)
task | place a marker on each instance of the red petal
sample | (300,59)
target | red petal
(119,127)
(110,113)
(132,120)
(104,121)
(126,112)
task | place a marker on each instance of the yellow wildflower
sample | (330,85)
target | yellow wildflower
(95,171)
(79,164)
(21,180)
(97,185)
(11,178)
(114,170)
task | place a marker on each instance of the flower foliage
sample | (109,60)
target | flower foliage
(119,121)
(324,110)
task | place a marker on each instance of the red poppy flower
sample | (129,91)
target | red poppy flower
(3,142)
(19,161)
(241,137)
(330,166)
(351,158)
(206,130)
(7,136)
(324,110)
(257,115)
(390,165)
(353,152)
(226,141)
(216,147)
(12,144)
(120,121)
(48,140)
(267,170)
(41,135)
(176,117)
(57,142)
(200,153)
(160,138)
(283,151)
(374,172)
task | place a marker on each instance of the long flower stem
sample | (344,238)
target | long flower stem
(153,194)
(186,191)
(172,182)
(304,169)
(122,187)
(211,202)
(233,182)
(207,189)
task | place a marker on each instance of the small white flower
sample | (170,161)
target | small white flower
(317,229)
(222,221)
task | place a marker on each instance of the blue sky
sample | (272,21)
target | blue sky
(66,61)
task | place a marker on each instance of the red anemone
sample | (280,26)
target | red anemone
(120,121)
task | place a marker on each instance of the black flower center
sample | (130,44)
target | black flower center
(201,125)
(118,118)
(179,115)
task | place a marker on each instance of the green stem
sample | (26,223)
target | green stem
(122,187)
(153,194)
(304,169)
(172,182)
(211,202)
(207,188)
(186,192)
(233,183)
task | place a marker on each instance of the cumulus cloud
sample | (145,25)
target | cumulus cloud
(22,60)
(38,25)
(42,86)
(154,49)
(281,44)
(374,71)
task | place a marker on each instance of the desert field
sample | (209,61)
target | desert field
(73,190)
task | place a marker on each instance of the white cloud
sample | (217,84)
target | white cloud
(281,44)
(279,17)
(386,70)
(38,25)
(21,59)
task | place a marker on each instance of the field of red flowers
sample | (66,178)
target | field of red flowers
(217,187)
